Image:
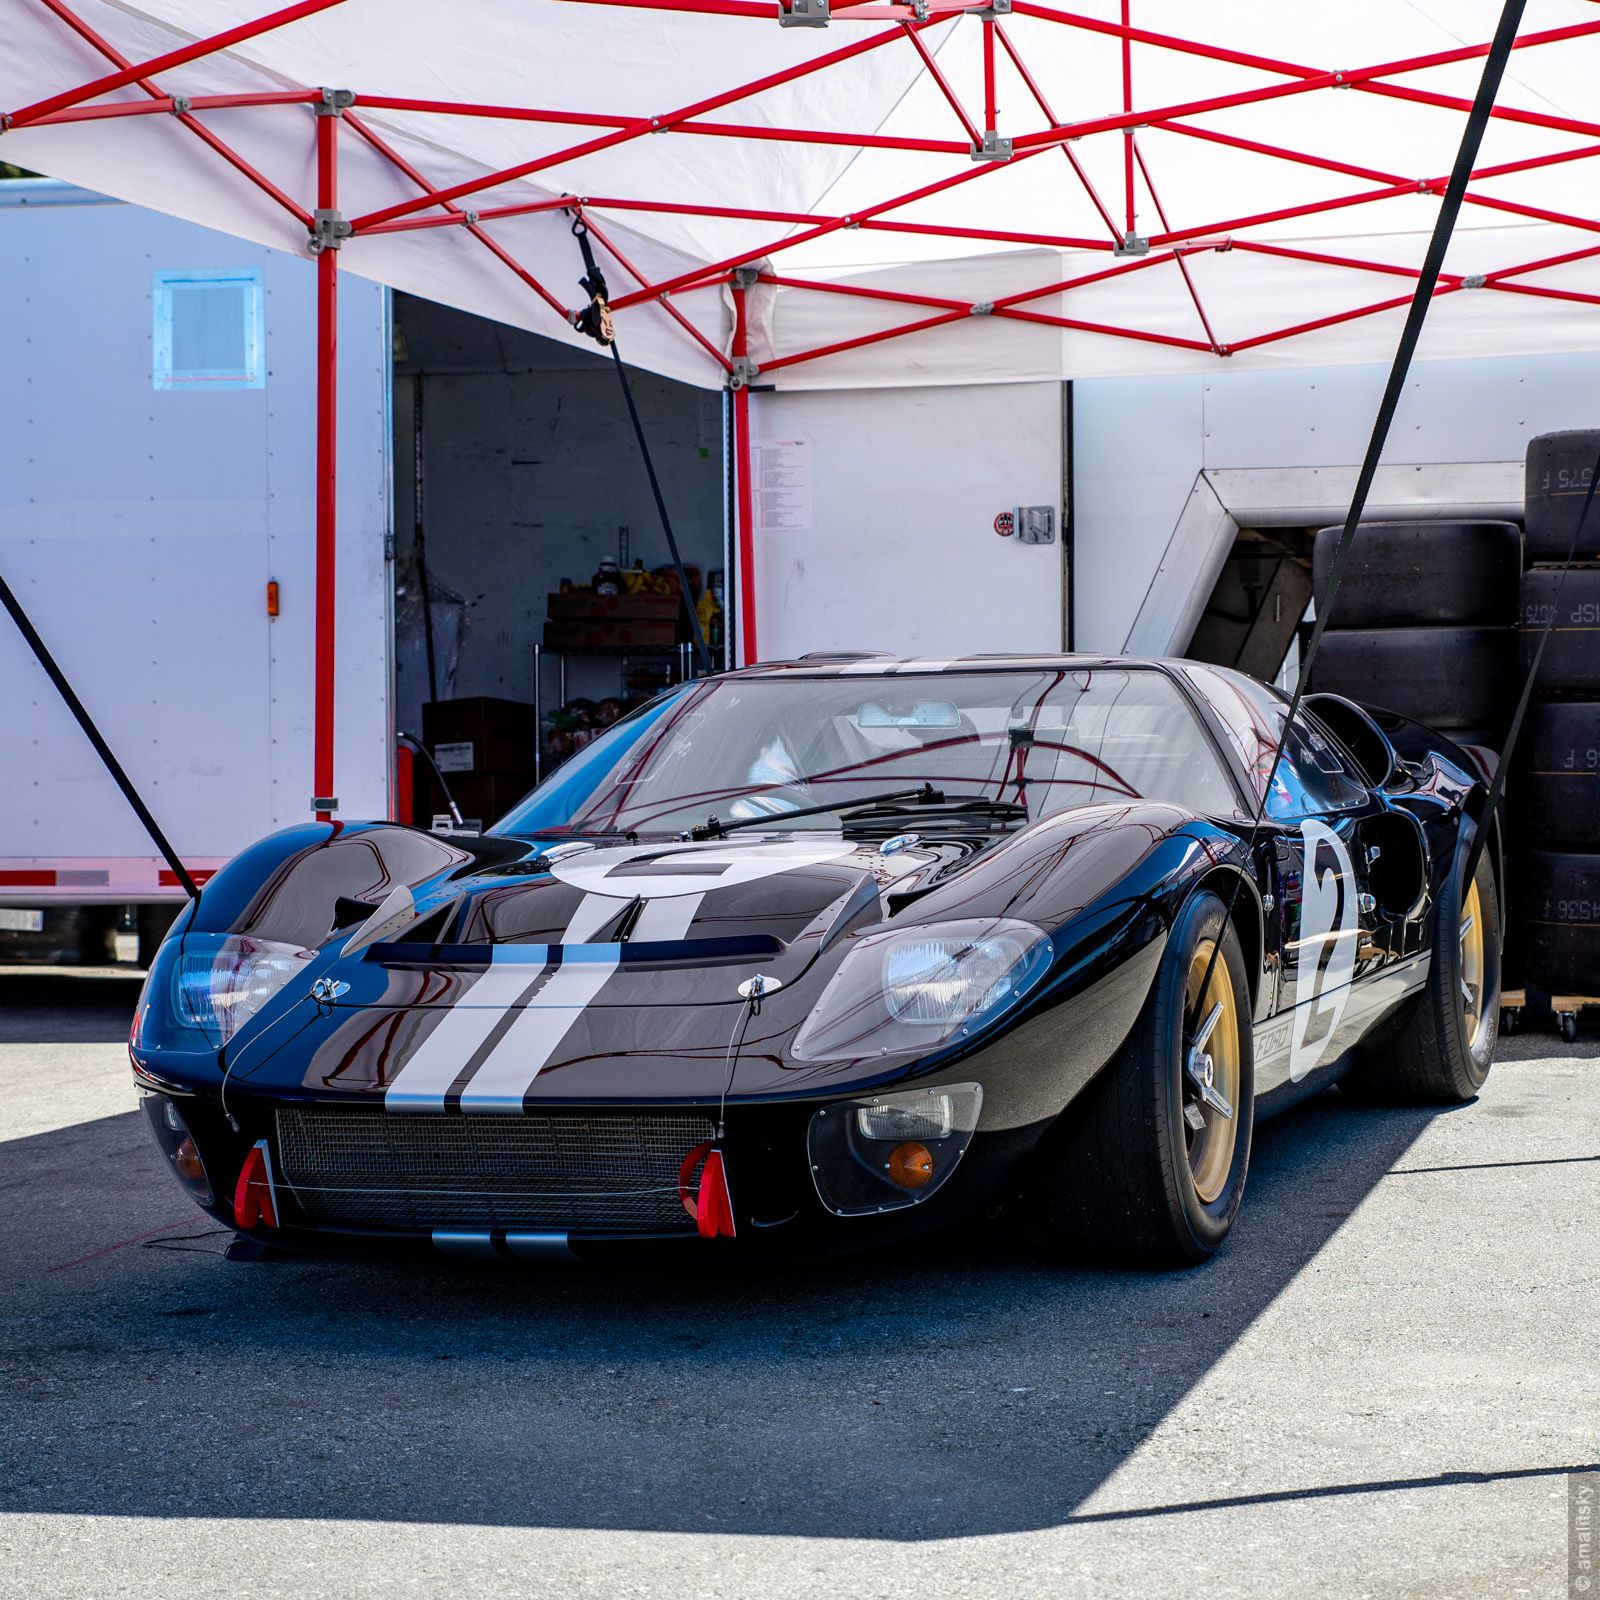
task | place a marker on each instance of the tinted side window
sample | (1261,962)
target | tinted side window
(1311,778)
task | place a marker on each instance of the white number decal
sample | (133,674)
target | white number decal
(1326,949)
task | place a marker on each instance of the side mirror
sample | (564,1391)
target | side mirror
(1367,743)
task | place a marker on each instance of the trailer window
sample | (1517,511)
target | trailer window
(209,330)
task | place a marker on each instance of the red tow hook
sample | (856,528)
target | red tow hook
(255,1199)
(709,1202)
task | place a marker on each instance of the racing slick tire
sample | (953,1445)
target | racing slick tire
(1455,677)
(1561,773)
(1559,467)
(1441,1048)
(1571,660)
(1411,573)
(1561,898)
(1127,1176)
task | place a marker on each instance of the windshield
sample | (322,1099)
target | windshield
(755,747)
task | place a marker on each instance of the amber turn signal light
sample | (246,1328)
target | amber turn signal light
(186,1158)
(911,1164)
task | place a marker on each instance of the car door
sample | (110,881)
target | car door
(1327,915)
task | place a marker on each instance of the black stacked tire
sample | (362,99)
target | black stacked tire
(1558,762)
(1561,897)
(1571,660)
(1401,574)
(1447,678)
(1423,622)
(1559,773)
(1559,469)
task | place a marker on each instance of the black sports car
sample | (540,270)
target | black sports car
(805,955)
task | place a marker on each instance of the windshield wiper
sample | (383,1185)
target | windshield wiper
(714,828)
(953,809)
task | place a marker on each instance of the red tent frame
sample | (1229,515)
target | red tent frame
(899,26)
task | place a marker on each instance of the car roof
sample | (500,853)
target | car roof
(874,664)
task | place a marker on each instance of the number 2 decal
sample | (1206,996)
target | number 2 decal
(1326,949)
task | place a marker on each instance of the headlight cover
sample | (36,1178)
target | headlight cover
(220,982)
(914,989)
(884,1152)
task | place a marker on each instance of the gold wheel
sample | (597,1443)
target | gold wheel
(1211,1070)
(1472,964)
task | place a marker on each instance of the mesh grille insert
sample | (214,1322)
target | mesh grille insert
(541,1170)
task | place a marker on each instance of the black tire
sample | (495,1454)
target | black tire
(1571,661)
(1559,467)
(1443,677)
(1558,773)
(1437,1055)
(1114,1181)
(1561,913)
(1401,573)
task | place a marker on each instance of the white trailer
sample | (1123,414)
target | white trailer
(156,410)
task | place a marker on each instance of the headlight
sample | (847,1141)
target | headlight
(914,989)
(884,1152)
(220,983)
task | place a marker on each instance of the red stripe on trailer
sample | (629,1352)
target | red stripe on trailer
(169,879)
(31,879)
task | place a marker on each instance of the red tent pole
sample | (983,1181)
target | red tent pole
(324,800)
(743,498)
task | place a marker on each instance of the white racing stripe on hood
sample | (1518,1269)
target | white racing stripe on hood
(422,1083)
(666,918)
(593,913)
(500,1083)
(648,871)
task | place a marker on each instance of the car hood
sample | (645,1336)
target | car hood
(602,972)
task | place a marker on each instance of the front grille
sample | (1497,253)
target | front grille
(609,1171)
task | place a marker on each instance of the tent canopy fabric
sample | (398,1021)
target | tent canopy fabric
(917,193)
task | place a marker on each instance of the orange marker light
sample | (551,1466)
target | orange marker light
(911,1165)
(272,597)
(186,1158)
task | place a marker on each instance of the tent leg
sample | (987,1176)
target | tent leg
(743,531)
(743,507)
(324,800)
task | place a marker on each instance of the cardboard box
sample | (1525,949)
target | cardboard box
(581,606)
(578,635)
(480,734)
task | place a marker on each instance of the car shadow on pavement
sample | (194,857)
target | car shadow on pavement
(967,1386)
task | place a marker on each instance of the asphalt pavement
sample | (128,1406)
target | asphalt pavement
(1378,1388)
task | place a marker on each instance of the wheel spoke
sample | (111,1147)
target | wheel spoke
(1203,1032)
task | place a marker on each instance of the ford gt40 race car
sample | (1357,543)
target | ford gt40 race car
(810,954)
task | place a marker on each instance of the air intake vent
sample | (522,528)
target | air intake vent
(605,1171)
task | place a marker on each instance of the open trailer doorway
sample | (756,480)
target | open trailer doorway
(535,597)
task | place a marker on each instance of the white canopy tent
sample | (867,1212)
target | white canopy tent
(1242,184)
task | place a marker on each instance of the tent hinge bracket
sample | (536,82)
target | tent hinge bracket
(744,370)
(179,106)
(1474,280)
(329,230)
(995,147)
(334,102)
(982,308)
(802,13)
(5,120)
(995,8)
(746,277)
(1131,244)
